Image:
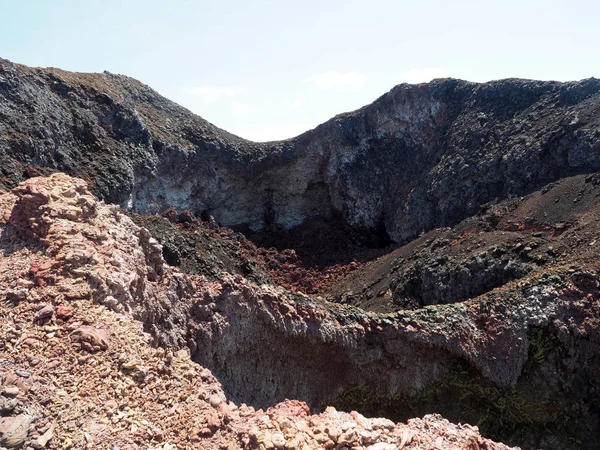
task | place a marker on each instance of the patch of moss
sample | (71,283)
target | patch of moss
(541,344)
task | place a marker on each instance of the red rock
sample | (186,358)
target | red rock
(90,338)
(64,312)
(52,364)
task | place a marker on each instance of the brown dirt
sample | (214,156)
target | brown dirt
(559,224)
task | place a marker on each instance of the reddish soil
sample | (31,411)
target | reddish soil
(314,256)
(309,258)
(328,259)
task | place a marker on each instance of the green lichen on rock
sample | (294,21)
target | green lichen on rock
(541,344)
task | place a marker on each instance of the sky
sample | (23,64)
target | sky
(267,70)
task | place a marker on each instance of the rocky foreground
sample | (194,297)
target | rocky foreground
(91,354)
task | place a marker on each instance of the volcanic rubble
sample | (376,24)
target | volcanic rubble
(92,355)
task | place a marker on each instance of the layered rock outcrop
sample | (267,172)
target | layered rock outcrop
(265,345)
(419,157)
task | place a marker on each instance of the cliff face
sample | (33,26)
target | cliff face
(77,371)
(521,360)
(419,157)
(494,321)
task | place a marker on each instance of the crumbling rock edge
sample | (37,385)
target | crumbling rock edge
(85,375)
(61,246)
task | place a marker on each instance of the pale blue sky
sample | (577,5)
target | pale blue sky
(272,69)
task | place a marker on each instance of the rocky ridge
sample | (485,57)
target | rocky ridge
(479,302)
(85,294)
(419,157)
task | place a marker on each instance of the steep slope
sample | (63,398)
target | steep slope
(526,357)
(77,371)
(553,226)
(419,157)
(494,321)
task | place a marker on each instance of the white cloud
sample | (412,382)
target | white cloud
(239,109)
(213,94)
(336,80)
(299,101)
(417,75)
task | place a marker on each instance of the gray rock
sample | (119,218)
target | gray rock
(418,157)
(14,430)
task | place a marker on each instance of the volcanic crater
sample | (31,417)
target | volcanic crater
(434,252)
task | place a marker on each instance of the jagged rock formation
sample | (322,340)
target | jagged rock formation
(77,371)
(419,157)
(493,321)
(264,344)
(553,226)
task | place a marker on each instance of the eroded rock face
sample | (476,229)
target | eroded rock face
(419,157)
(443,281)
(86,375)
(92,252)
